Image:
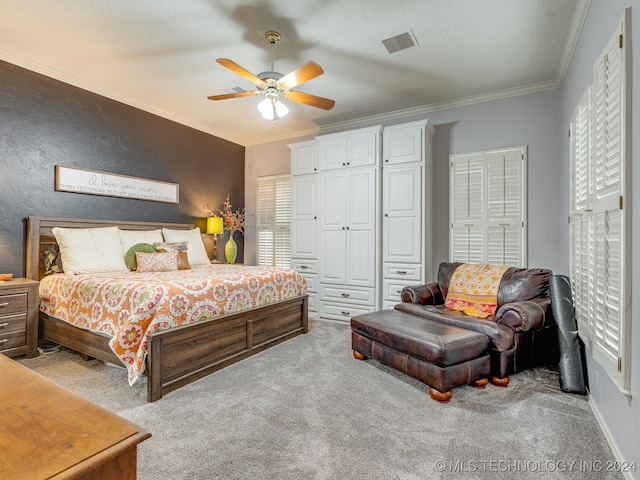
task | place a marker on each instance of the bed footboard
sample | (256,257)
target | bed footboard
(181,355)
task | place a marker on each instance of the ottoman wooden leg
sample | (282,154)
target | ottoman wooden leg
(500,382)
(439,396)
(358,355)
(481,383)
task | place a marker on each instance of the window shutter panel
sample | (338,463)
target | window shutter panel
(467,244)
(274,220)
(503,182)
(503,245)
(468,181)
(487,207)
(609,290)
(467,187)
(581,216)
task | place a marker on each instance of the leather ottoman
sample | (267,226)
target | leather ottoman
(440,356)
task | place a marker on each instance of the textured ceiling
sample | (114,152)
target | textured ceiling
(159,55)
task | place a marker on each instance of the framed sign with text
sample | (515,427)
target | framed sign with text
(80,180)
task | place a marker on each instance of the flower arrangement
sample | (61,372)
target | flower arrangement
(232,220)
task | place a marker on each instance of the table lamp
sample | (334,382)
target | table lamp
(215,226)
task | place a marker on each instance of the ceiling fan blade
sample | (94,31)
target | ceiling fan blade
(302,74)
(232,95)
(235,68)
(311,100)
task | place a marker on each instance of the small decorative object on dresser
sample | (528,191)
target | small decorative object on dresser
(232,221)
(19,317)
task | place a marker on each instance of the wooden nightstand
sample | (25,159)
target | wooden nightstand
(19,317)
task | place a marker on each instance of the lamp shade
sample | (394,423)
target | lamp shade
(215,225)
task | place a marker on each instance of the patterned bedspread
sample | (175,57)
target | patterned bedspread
(128,306)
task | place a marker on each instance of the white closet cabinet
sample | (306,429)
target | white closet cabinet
(407,178)
(305,232)
(304,157)
(349,212)
(356,148)
(361,217)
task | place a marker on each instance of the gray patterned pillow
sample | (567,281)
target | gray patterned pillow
(52,260)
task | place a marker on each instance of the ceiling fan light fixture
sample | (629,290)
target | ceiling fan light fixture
(272,109)
(274,85)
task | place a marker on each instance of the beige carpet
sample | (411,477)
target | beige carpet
(307,409)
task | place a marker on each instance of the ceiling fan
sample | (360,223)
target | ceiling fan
(274,85)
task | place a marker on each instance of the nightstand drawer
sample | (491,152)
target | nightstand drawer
(12,323)
(13,303)
(12,340)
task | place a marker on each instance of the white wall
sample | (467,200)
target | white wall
(541,122)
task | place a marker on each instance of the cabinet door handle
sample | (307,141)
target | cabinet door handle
(346,295)
(2,325)
(401,272)
(2,305)
(398,291)
(303,267)
(346,314)
(386,160)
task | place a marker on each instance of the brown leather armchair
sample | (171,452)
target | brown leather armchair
(523,331)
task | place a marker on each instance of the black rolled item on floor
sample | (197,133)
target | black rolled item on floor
(571,367)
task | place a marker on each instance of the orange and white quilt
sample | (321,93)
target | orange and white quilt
(129,306)
(473,289)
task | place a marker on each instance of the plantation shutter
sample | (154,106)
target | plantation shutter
(467,191)
(609,163)
(504,208)
(581,216)
(274,220)
(487,207)
(600,219)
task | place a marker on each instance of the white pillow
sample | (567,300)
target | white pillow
(196,252)
(129,238)
(90,250)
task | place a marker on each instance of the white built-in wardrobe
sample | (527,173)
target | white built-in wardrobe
(361,216)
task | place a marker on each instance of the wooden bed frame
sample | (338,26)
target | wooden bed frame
(180,355)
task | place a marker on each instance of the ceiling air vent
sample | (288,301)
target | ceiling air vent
(400,42)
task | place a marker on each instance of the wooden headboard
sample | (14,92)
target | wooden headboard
(40,237)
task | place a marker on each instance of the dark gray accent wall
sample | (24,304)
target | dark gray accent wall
(45,122)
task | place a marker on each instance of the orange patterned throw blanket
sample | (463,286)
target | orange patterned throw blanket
(129,306)
(473,289)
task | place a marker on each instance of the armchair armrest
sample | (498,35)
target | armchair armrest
(428,294)
(524,316)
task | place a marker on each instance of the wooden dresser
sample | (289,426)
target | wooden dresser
(47,432)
